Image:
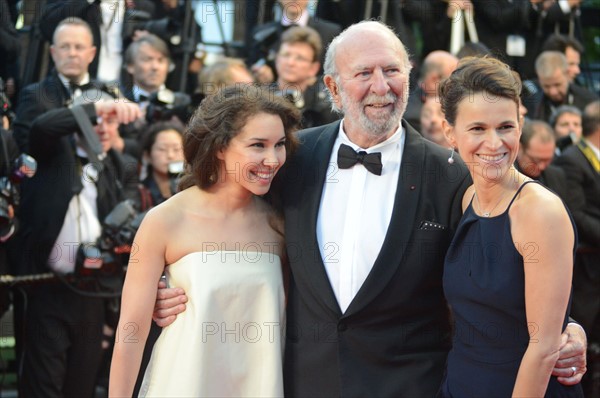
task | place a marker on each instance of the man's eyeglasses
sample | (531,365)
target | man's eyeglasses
(294,57)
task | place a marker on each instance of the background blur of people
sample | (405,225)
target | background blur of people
(225,71)
(163,156)
(431,121)
(566,123)
(147,63)
(297,65)
(536,153)
(266,37)
(437,66)
(554,88)
(572,49)
(581,163)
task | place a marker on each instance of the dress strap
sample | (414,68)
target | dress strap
(519,191)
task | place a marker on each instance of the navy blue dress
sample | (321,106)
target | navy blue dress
(484,283)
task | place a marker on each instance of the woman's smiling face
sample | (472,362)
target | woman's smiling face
(486,134)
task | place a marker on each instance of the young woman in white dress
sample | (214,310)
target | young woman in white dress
(223,244)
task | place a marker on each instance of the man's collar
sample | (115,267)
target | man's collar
(138,91)
(593,147)
(65,81)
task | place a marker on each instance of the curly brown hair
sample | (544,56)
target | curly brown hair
(219,118)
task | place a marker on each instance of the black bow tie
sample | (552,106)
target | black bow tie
(348,157)
(83,87)
(143,98)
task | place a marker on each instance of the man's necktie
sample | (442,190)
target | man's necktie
(348,157)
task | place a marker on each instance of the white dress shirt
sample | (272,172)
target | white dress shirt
(67,83)
(354,215)
(110,56)
(81,224)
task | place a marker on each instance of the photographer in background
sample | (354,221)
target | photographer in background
(147,61)
(8,154)
(266,38)
(163,156)
(62,207)
(297,64)
(111,22)
(168,24)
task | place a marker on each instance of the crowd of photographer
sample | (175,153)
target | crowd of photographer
(77,215)
(96,143)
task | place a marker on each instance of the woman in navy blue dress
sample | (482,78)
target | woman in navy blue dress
(508,271)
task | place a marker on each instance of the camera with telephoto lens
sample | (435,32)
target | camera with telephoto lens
(164,104)
(165,28)
(23,167)
(99,266)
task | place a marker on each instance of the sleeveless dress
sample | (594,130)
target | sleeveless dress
(484,284)
(228,342)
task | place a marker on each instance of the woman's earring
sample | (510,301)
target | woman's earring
(451,158)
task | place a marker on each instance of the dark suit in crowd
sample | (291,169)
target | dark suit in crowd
(583,182)
(542,108)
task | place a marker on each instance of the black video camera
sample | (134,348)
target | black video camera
(23,167)
(99,265)
(165,28)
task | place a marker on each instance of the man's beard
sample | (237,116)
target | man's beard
(380,125)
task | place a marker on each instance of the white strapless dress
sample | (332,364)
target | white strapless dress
(228,342)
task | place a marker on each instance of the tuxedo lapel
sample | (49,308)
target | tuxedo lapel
(402,223)
(302,238)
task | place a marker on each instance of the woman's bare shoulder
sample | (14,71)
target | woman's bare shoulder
(170,212)
(537,208)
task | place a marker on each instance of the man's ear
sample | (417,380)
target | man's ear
(53,52)
(333,89)
(130,69)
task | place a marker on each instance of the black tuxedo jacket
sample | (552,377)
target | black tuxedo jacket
(34,100)
(540,107)
(46,196)
(583,183)
(393,339)
(555,178)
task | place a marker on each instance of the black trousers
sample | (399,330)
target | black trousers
(62,343)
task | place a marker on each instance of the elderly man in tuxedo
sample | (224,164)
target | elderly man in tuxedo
(370,207)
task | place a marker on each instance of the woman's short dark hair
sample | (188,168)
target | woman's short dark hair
(158,127)
(219,118)
(478,75)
